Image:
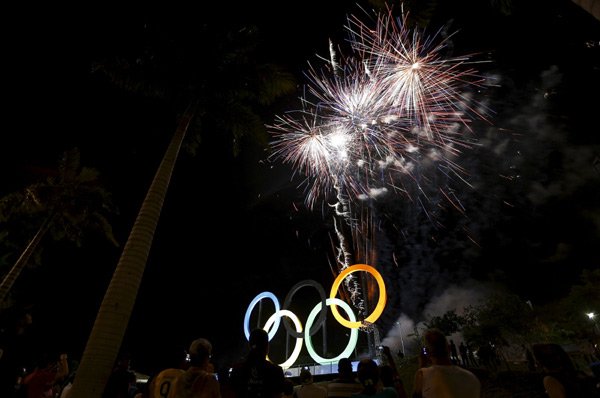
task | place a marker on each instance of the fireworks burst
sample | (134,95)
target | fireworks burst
(374,119)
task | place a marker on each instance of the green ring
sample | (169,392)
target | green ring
(353,333)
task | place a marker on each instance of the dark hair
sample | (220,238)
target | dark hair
(368,375)
(553,357)
(305,376)
(436,343)
(288,387)
(559,366)
(259,339)
(345,366)
(387,375)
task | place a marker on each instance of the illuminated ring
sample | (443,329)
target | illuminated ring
(353,332)
(251,307)
(290,361)
(380,304)
(288,301)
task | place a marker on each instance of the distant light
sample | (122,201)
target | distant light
(591,315)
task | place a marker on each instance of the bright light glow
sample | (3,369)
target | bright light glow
(591,315)
(255,301)
(367,107)
(380,304)
(353,333)
(275,317)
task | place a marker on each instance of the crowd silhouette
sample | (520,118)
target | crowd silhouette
(444,370)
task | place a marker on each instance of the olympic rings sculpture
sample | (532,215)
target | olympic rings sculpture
(312,326)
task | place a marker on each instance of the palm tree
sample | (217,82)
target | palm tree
(70,203)
(591,6)
(223,87)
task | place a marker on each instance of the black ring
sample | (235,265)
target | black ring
(323,312)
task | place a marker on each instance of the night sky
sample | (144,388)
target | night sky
(232,227)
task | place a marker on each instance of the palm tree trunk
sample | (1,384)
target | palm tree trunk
(15,271)
(111,322)
(591,6)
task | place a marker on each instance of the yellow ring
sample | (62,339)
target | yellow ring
(380,304)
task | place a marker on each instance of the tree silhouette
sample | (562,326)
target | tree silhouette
(68,203)
(212,74)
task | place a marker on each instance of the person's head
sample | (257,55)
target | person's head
(368,375)
(306,377)
(288,387)
(552,357)
(123,359)
(386,374)
(435,343)
(200,351)
(259,342)
(345,367)
(45,362)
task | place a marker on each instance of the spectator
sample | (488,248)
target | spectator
(161,384)
(309,389)
(46,374)
(256,376)
(17,349)
(199,380)
(443,378)
(66,391)
(529,358)
(464,354)
(561,380)
(288,388)
(345,384)
(471,355)
(368,375)
(453,353)
(389,374)
(120,379)
(225,384)
(485,354)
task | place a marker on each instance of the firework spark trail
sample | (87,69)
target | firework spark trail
(392,111)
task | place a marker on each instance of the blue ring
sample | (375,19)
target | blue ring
(256,299)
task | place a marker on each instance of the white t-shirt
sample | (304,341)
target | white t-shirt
(311,391)
(443,381)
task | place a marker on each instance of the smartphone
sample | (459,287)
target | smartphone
(380,348)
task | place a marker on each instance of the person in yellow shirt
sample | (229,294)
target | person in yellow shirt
(199,380)
(161,384)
